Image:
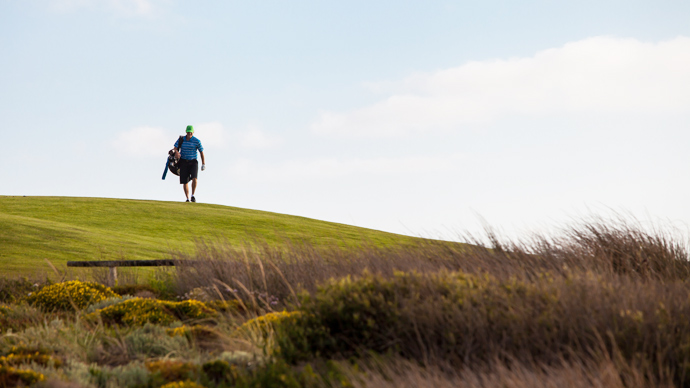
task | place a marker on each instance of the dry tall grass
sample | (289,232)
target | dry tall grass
(601,287)
(605,373)
(608,248)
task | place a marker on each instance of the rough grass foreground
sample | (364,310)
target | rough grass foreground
(601,290)
(604,305)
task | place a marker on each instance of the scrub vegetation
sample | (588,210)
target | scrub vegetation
(602,304)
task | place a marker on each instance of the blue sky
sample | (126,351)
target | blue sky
(406,116)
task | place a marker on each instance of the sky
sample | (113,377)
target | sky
(427,118)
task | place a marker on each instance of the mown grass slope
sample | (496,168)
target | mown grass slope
(65,228)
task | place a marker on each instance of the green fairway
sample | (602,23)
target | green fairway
(59,229)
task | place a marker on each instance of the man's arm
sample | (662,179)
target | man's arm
(203,160)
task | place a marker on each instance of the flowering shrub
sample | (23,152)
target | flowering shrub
(106,303)
(65,296)
(22,348)
(225,306)
(183,384)
(21,354)
(13,377)
(138,311)
(27,358)
(190,309)
(201,334)
(181,331)
(267,322)
(134,312)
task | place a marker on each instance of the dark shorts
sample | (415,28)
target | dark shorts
(189,169)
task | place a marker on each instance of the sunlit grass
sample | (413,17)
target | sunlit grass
(62,228)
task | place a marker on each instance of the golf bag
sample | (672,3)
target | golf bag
(173,163)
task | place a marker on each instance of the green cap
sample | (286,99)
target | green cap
(190,128)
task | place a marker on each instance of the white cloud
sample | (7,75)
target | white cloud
(211,135)
(147,141)
(601,74)
(132,7)
(214,135)
(255,138)
(333,167)
(144,141)
(128,8)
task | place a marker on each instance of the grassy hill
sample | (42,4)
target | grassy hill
(63,228)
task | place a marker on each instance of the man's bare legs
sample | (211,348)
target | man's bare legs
(186,188)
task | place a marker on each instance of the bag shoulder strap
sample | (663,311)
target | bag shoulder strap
(179,143)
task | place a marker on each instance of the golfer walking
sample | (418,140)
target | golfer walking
(189,166)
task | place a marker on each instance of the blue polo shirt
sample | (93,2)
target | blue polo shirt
(189,148)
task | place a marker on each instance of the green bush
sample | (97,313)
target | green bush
(348,316)
(279,374)
(153,341)
(133,374)
(138,311)
(419,316)
(68,295)
(275,374)
(163,284)
(460,319)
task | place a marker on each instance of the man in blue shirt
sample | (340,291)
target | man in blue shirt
(189,166)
